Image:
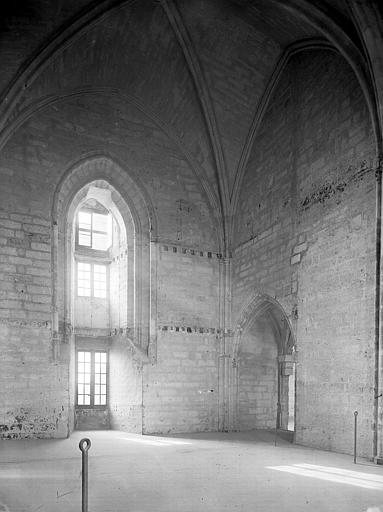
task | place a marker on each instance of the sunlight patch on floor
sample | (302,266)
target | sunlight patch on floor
(154,441)
(333,474)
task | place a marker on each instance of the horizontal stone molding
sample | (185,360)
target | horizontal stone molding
(188,251)
(34,324)
(182,329)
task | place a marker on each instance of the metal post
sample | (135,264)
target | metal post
(84,446)
(355,432)
(277,423)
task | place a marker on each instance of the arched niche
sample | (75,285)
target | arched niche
(263,369)
(131,207)
(132,337)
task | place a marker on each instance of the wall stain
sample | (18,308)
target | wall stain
(332,189)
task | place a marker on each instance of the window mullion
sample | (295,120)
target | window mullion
(91,230)
(92,280)
(92,380)
(77,372)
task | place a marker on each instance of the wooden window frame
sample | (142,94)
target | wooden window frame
(92,379)
(91,231)
(92,263)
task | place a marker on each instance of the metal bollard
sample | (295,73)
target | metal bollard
(84,446)
(277,422)
(355,432)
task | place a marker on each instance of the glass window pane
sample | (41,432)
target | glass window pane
(100,222)
(84,219)
(100,241)
(83,279)
(82,283)
(84,267)
(100,269)
(99,283)
(87,394)
(99,280)
(84,238)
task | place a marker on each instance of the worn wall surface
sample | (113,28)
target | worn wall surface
(32,163)
(306,237)
(181,390)
(171,93)
(125,387)
(257,377)
(34,389)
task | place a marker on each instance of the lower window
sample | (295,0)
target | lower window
(92,377)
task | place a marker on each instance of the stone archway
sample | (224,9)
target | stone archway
(131,338)
(263,373)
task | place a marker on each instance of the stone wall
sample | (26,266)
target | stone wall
(257,377)
(181,389)
(125,387)
(175,123)
(32,164)
(306,237)
(33,388)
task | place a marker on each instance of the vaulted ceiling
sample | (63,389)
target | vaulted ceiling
(201,71)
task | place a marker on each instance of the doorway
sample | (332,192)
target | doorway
(264,369)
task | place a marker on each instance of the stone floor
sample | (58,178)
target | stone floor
(184,473)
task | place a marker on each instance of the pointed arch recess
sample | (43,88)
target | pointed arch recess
(45,102)
(257,305)
(136,209)
(290,51)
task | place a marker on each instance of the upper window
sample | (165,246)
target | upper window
(94,230)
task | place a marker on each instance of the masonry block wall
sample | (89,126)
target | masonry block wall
(306,237)
(181,390)
(257,377)
(33,161)
(125,387)
(176,122)
(33,387)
